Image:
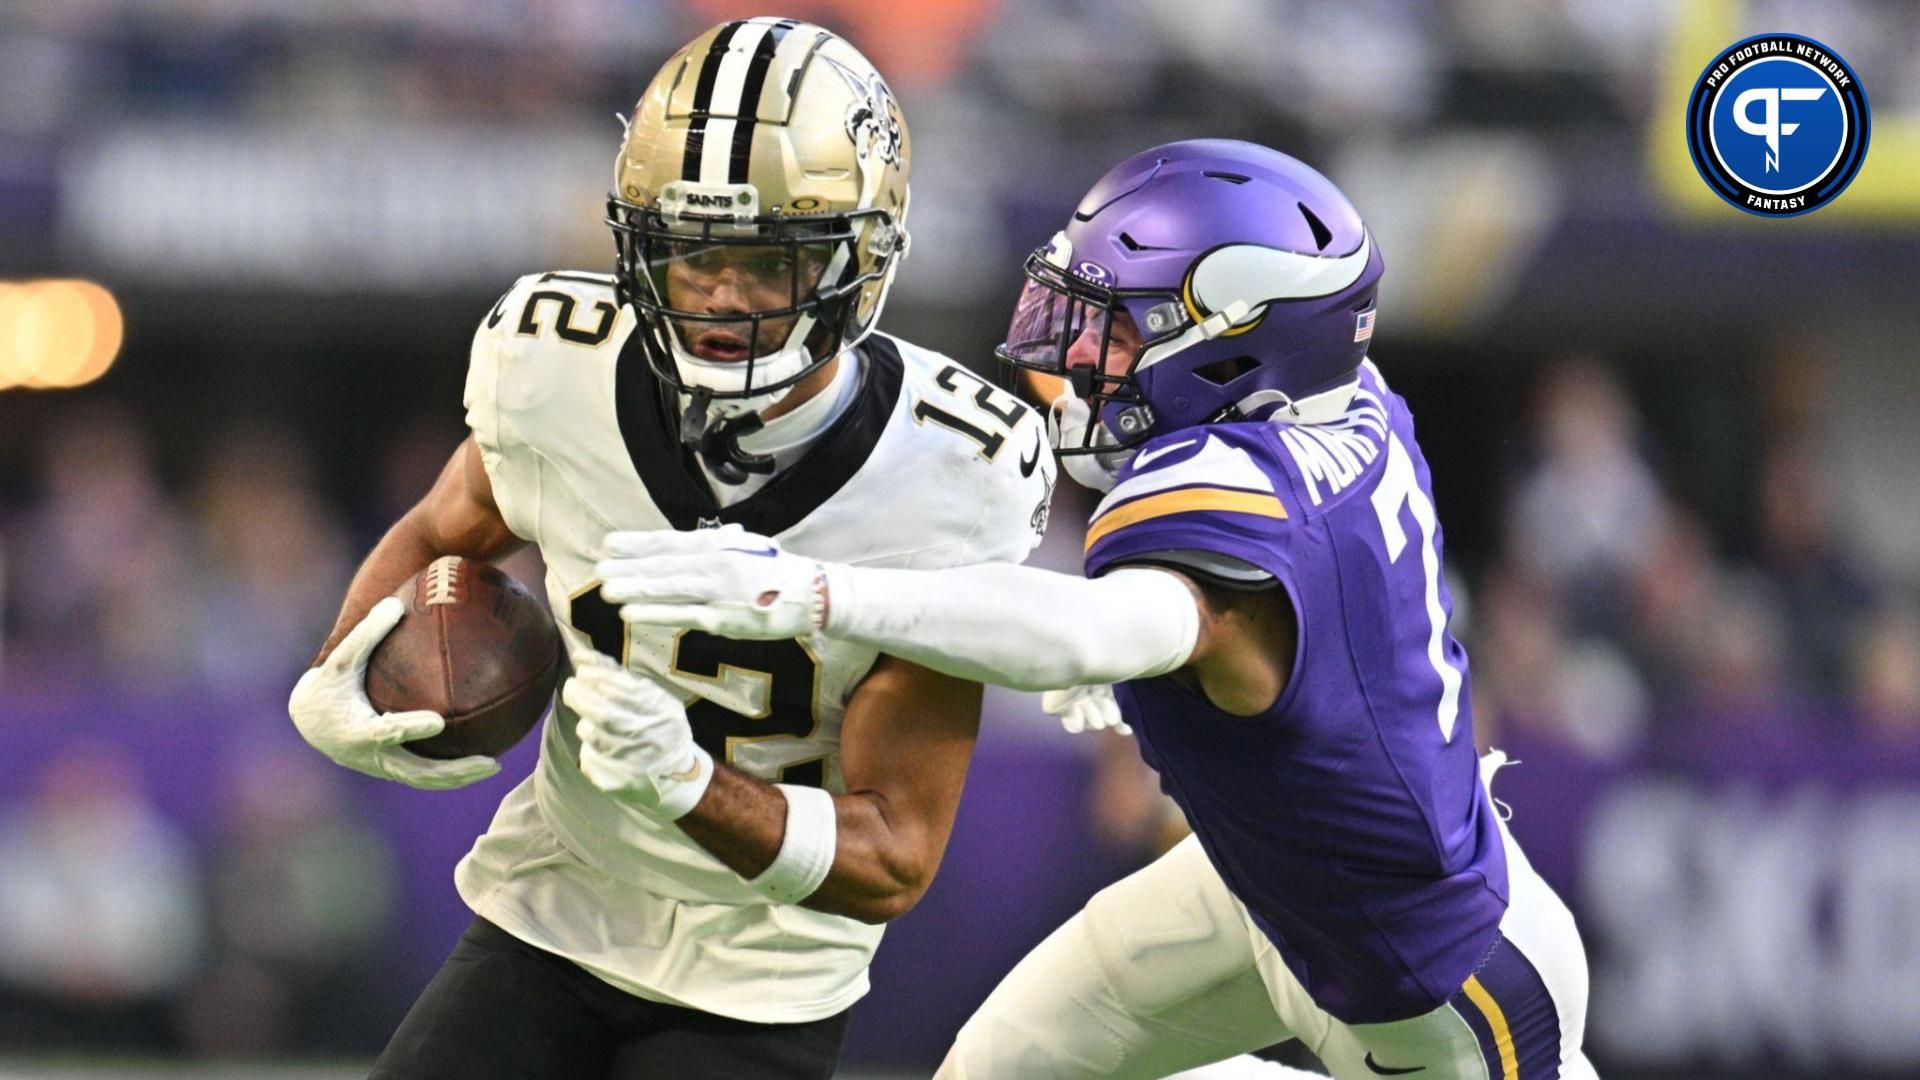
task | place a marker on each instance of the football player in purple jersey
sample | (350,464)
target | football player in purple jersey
(1264,593)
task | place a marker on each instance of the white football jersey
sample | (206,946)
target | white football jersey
(929,467)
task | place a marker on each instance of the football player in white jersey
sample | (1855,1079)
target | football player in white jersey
(692,881)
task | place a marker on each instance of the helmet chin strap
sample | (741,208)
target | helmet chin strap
(1321,408)
(693,419)
(732,449)
(701,410)
(720,449)
(703,379)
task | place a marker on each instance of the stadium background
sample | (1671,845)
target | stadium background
(1672,447)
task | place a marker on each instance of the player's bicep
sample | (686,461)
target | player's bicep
(1245,654)
(1215,518)
(459,515)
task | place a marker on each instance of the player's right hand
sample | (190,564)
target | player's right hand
(1085,708)
(330,708)
(635,742)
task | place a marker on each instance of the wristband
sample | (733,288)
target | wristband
(834,588)
(806,852)
(680,792)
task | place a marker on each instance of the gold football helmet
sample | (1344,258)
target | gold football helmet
(759,211)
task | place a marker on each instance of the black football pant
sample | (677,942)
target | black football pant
(500,1009)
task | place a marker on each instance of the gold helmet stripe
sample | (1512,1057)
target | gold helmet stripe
(703,99)
(756,81)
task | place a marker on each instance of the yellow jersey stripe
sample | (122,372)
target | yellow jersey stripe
(1184,500)
(1497,1021)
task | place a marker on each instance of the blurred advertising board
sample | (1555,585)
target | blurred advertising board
(348,209)
(1749,894)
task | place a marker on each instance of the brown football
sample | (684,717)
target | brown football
(474,646)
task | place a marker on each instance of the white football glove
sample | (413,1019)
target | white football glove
(724,581)
(635,742)
(330,707)
(1085,708)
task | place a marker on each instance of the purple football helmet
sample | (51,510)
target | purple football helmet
(1199,281)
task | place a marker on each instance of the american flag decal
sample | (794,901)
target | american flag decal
(1363,326)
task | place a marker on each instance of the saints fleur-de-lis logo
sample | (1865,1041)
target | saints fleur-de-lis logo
(873,119)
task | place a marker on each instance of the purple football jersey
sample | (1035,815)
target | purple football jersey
(1349,818)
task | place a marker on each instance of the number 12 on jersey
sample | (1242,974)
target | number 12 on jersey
(994,404)
(786,666)
(1400,486)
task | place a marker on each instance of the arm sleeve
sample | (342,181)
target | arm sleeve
(1019,626)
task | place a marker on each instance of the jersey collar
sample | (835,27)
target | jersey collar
(672,477)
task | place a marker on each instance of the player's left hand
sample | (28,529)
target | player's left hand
(635,742)
(724,581)
(1085,708)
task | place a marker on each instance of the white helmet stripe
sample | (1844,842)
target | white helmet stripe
(752,94)
(729,83)
(718,150)
(1258,274)
(705,67)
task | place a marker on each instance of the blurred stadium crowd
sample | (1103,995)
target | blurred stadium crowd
(1651,534)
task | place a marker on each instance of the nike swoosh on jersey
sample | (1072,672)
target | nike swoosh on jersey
(692,772)
(767,552)
(1027,463)
(1149,457)
(1385,1070)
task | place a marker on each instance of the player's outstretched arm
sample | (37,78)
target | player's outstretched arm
(868,854)
(1014,626)
(329,705)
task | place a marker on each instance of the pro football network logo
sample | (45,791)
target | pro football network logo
(1777,125)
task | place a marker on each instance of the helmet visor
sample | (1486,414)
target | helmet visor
(1063,324)
(1047,321)
(726,290)
(730,300)
(1087,334)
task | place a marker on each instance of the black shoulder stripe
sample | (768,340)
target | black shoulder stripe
(749,109)
(703,99)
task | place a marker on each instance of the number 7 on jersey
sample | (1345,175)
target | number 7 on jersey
(1400,486)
